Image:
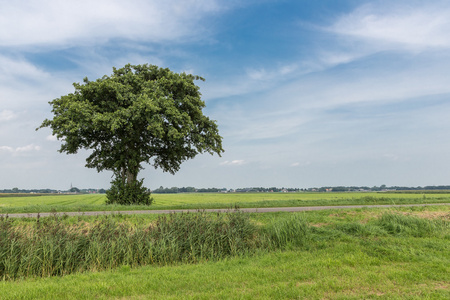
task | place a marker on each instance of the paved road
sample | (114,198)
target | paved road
(253,210)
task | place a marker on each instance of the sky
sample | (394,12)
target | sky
(305,93)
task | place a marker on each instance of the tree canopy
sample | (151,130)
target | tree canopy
(140,114)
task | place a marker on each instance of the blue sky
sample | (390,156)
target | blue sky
(306,93)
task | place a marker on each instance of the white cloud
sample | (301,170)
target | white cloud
(385,79)
(18,68)
(51,138)
(329,59)
(257,74)
(27,148)
(6,115)
(263,74)
(6,149)
(369,29)
(64,23)
(300,164)
(394,24)
(252,79)
(23,84)
(237,162)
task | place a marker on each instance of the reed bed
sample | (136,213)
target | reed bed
(49,247)
(52,247)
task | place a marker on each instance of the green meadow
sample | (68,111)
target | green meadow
(370,253)
(16,203)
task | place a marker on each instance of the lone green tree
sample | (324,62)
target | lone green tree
(140,114)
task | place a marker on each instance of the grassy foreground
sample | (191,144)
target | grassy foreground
(401,253)
(92,202)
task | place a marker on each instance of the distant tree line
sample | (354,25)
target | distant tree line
(26,191)
(378,188)
(51,191)
(174,190)
(190,189)
(267,190)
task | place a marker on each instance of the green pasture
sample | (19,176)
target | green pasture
(370,253)
(96,202)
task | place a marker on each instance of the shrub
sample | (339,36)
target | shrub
(125,194)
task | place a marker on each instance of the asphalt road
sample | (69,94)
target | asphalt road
(253,210)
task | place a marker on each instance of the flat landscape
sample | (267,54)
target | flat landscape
(215,149)
(379,253)
(33,203)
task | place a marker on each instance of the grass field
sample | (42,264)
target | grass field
(92,202)
(371,253)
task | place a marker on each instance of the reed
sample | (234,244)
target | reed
(293,231)
(48,247)
(55,247)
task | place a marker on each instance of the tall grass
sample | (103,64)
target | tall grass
(51,246)
(48,247)
(398,224)
(289,232)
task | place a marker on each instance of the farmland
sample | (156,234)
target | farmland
(383,253)
(94,202)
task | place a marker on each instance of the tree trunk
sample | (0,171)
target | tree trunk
(131,177)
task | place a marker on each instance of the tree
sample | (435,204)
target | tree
(140,114)
(74,190)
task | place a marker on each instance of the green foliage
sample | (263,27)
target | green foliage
(139,114)
(128,194)
(74,190)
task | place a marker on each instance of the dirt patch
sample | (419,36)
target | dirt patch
(442,286)
(358,292)
(303,283)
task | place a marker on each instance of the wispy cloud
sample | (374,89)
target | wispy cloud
(398,24)
(6,149)
(300,164)
(22,84)
(51,138)
(18,150)
(53,23)
(237,162)
(7,115)
(16,68)
(28,148)
(265,75)
(251,79)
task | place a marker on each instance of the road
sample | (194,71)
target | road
(252,210)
